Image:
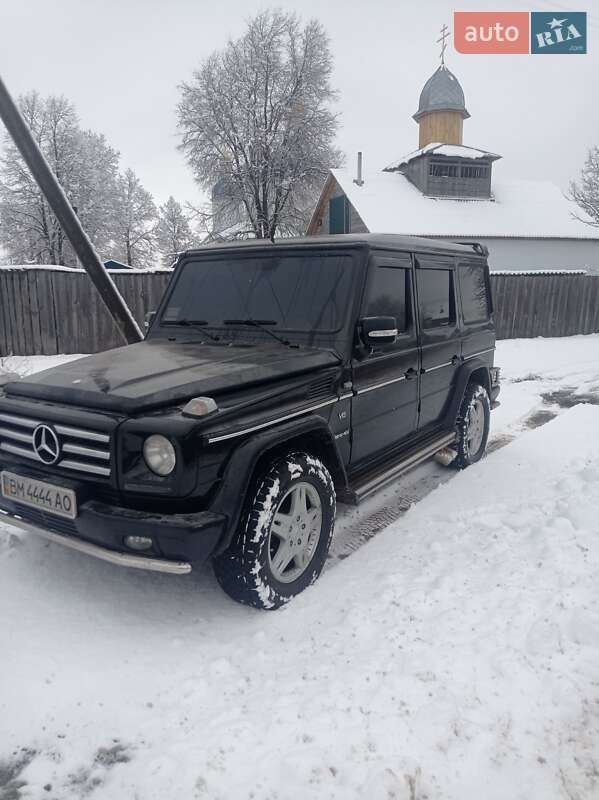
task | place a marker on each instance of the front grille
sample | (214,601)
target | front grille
(81,450)
(44,520)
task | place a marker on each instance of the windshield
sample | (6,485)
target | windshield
(303,292)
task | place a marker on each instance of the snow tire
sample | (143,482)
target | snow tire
(247,569)
(474,410)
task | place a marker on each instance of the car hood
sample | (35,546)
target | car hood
(156,373)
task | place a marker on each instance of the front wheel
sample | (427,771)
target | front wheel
(284,538)
(473,425)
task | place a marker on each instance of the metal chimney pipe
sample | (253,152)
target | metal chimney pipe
(359,180)
(84,249)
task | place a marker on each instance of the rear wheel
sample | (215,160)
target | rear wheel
(473,425)
(284,538)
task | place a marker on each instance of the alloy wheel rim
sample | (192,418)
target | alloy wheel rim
(295,532)
(476,427)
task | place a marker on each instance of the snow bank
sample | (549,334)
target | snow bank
(454,656)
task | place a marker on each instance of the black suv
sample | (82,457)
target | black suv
(275,379)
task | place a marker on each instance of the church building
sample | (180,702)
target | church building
(447,190)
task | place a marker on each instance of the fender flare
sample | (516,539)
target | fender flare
(235,482)
(462,379)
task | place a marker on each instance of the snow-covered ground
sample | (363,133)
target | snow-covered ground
(454,656)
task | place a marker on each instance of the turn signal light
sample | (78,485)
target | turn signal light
(200,407)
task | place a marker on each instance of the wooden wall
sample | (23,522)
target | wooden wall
(440,126)
(46,312)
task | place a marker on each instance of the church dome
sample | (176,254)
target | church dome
(441,92)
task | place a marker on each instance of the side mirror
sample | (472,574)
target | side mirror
(378,330)
(149,319)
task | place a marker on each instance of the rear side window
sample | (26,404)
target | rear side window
(388,295)
(435,297)
(473,289)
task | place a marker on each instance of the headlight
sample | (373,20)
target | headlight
(160,455)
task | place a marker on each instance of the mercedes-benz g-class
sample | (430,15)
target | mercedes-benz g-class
(274,380)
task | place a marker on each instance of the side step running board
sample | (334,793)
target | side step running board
(371,483)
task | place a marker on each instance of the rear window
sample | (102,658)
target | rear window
(473,289)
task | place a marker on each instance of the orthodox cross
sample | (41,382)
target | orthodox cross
(442,40)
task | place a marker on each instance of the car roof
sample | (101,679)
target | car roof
(386,241)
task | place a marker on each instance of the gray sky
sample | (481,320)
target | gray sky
(120,62)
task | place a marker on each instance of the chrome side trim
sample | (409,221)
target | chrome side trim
(480,353)
(439,366)
(22,421)
(346,396)
(78,433)
(224,436)
(380,385)
(81,467)
(119,559)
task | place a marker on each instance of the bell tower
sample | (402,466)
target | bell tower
(442,108)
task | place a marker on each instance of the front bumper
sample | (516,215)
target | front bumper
(99,530)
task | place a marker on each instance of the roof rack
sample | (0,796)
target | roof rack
(479,248)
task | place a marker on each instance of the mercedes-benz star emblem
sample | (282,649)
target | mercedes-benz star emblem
(46,444)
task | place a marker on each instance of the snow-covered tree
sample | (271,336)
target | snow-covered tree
(87,170)
(586,193)
(256,122)
(173,231)
(135,235)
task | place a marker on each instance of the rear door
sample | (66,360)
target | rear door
(385,406)
(478,332)
(439,334)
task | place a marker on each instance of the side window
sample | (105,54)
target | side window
(388,295)
(473,290)
(435,297)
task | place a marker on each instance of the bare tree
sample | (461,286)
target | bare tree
(86,168)
(136,222)
(586,193)
(257,125)
(173,231)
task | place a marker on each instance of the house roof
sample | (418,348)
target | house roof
(439,149)
(387,202)
(441,92)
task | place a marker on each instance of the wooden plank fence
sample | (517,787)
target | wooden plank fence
(45,311)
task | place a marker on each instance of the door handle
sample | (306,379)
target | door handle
(411,373)
(455,360)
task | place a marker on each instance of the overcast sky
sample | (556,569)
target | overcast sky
(120,62)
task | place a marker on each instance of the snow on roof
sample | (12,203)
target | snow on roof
(388,203)
(449,150)
(24,267)
(58,268)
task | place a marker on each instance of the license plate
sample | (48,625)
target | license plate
(38,494)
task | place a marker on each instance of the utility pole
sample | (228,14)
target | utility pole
(66,216)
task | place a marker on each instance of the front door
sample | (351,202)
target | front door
(385,378)
(439,335)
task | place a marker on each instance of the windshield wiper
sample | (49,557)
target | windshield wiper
(261,325)
(193,323)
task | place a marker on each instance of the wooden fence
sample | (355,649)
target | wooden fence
(46,311)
